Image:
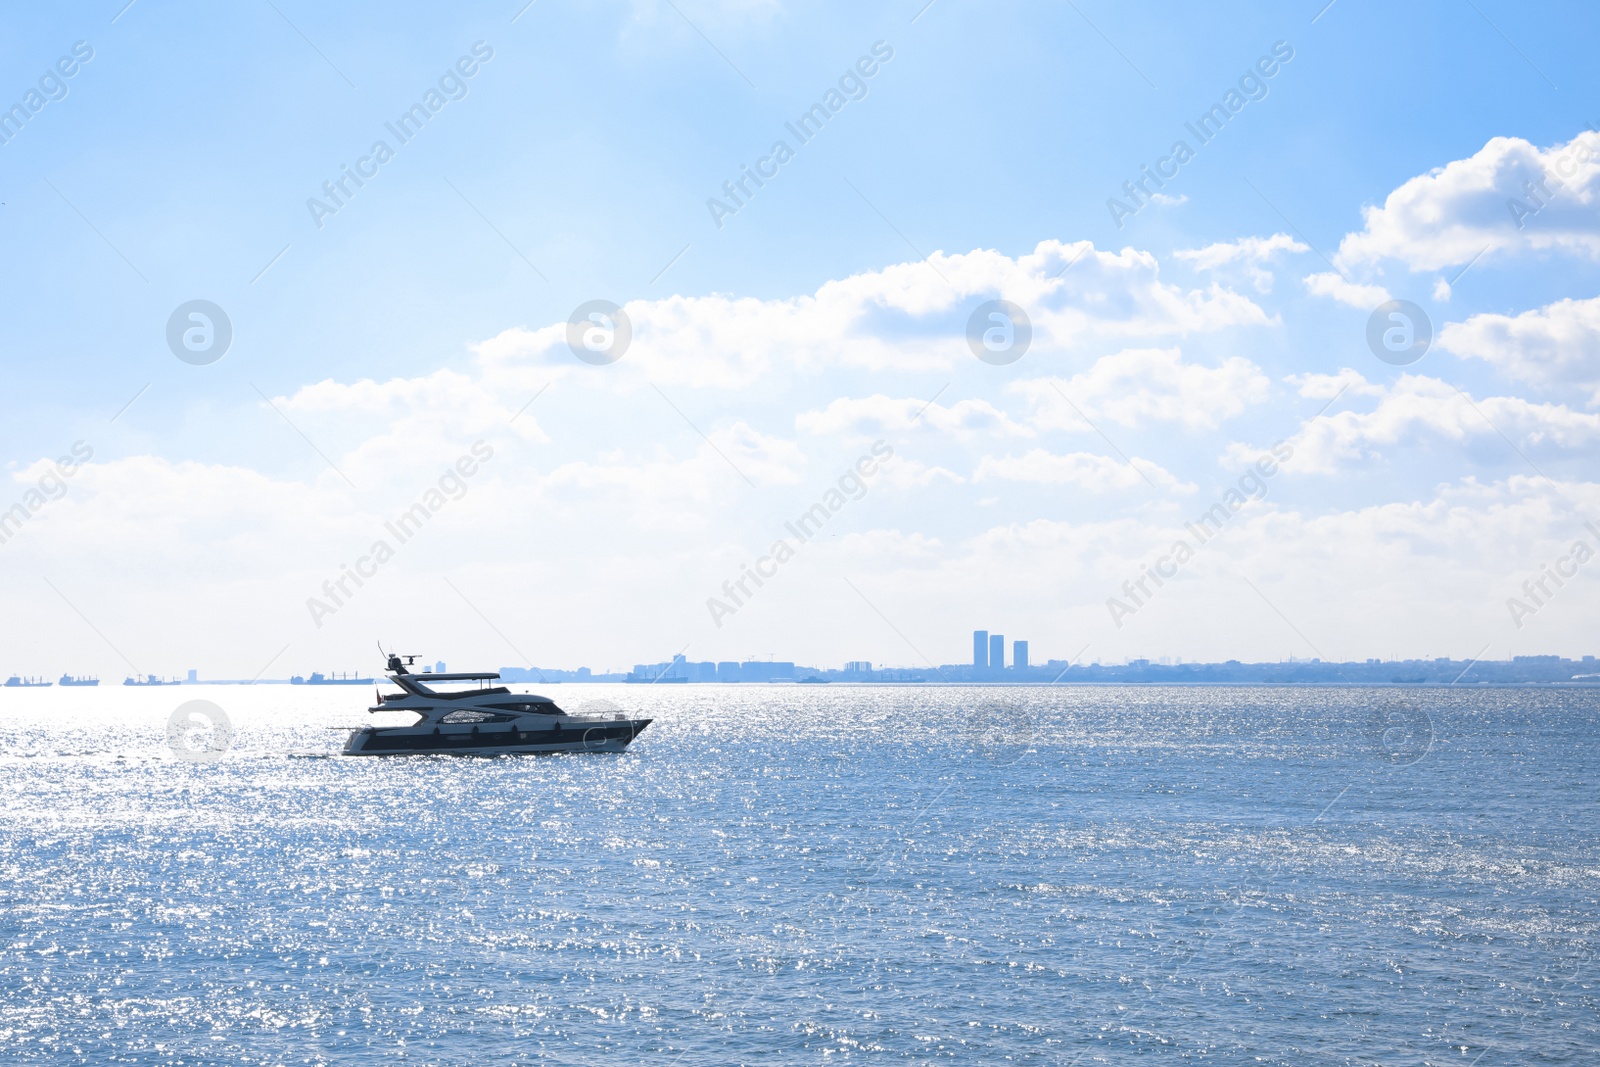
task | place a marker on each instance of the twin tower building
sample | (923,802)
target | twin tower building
(989,652)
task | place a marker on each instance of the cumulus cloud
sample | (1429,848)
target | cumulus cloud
(907,473)
(1145,385)
(1336,287)
(866,418)
(888,547)
(668,492)
(1085,470)
(1418,408)
(1509,196)
(1406,577)
(1122,296)
(902,317)
(1556,346)
(380,427)
(1348,382)
(1248,252)
(192,519)
(580,473)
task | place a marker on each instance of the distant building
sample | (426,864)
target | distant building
(980,650)
(758,670)
(859,666)
(1019,655)
(683,670)
(677,671)
(997,652)
(727,671)
(438,668)
(194,676)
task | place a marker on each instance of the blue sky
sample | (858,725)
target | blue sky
(775,348)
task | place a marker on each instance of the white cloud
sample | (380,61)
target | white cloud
(624,521)
(1348,382)
(1102,295)
(1419,408)
(1332,285)
(889,547)
(763,459)
(662,491)
(1086,470)
(1406,578)
(197,520)
(1143,385)
(376,428)
(903,317)
(906,473)
(1453,213)
(1236,455)
(1374,578)
(1249,252)
(867,418)
(1554,346)
(1244,250)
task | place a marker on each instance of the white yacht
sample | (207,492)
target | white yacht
(481,721)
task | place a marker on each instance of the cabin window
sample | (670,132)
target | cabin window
(470,715)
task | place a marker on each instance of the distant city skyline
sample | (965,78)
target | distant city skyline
(1529,669)
(772,668)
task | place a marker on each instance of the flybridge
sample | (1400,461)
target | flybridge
(453,677)
(405,666)
(403,672)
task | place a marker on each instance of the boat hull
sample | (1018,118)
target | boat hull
(612,735)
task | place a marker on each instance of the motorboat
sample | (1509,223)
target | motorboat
(481,721)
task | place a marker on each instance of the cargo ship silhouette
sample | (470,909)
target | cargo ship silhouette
(318,678)
(148,679)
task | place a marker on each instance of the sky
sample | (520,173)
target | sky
(1354,318)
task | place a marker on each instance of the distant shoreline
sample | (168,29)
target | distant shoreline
(939,684)
(1519,671)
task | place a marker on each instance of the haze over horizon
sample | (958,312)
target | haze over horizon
(797,342)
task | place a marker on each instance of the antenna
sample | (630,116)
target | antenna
(392,661)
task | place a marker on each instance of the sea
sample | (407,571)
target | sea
(820,874)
